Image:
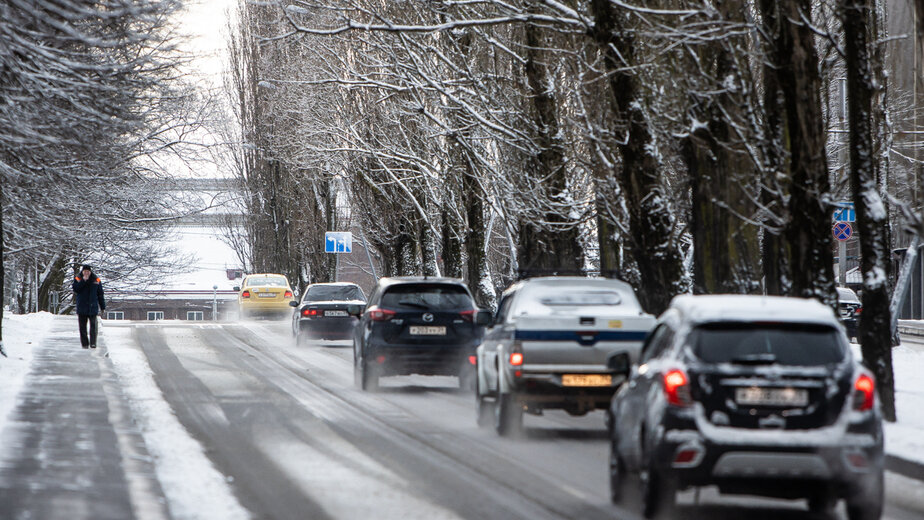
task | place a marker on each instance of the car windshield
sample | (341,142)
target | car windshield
(334,293)
(266,281)
(429,297)
(845,295)
(575,296)
(791,344)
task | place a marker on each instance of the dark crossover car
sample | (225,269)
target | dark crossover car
(850,308)
(755,395)
(417,325)
(322,312)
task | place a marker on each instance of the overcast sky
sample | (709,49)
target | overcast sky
(205,23)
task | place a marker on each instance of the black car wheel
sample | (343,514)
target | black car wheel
(369,377)
(866,503)
(508,415)
(659,498)
(617,474)
(483,407)
(822,502)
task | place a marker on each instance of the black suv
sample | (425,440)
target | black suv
(850,308)
(756,395)
(322,313)
(417,325)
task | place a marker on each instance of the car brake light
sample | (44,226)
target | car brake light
(245,294)
(381,314)
(472,360)
(288,294)
(309,312)
(469,316)
(858,311)
(516,358)
(865,394)
(677,388)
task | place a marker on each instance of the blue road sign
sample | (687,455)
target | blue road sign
(845,215)
(338,242)
(842,230)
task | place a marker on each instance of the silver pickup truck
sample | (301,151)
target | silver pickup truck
(550,346)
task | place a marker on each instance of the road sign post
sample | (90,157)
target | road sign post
(842,231)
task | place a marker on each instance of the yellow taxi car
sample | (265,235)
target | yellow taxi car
(265,295)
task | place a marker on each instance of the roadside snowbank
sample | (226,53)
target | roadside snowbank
(905,438)
(194,488)
(20,333)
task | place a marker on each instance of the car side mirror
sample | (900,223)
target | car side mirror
(237,287)
(354,310)
(619,364)
(484,318)
(293,303)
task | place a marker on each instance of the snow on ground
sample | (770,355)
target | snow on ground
(20,333)
(194,488)
(905,438)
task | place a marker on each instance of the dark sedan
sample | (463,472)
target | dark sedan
(416,325)
(755,395)
(322,313)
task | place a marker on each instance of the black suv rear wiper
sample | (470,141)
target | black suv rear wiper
(755,359)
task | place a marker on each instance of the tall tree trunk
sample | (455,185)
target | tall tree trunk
(2,270)
(808,231)
(725,246)
(872,218)
(553,245)
(451,253)
(774,250)
(651,220)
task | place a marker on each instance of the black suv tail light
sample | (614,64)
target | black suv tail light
(677,388)
(864,395)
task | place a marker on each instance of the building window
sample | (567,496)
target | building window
(194,315)
(115,315)
(155,315)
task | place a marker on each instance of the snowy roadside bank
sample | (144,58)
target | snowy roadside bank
(194,488)
(20,333)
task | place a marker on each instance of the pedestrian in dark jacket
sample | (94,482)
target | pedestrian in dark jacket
(88,290)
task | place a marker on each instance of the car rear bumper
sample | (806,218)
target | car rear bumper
(546,391)
(257,306)
(786,467)
(328,328)
(393,359)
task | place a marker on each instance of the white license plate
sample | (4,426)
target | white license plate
(427,331)
(340,314)
(265,295)
(759,396)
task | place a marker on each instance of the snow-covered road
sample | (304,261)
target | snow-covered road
(239,422)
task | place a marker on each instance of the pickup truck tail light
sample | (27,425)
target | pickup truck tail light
(515,358)
(677,388)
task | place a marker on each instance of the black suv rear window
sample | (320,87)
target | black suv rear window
(430,297)
(334,293)
(791,344)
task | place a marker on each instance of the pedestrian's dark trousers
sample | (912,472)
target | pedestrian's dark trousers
(82,319)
